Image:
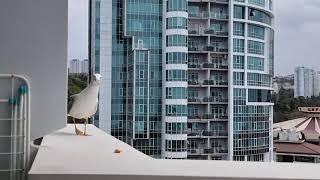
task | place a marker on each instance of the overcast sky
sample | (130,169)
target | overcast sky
(297,33)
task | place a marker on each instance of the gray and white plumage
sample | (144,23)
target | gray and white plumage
(85,103)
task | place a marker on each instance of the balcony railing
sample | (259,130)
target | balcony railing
(207,117)
(215,66)
(216,49)
(220,1)
(219,16)
(213,82)
(204,133)
(203,14)
(207,66)
(216,33)
(193,82)
(194,66)
(215,133)
(197,151)
(216,150)
(202,31)
(215,99)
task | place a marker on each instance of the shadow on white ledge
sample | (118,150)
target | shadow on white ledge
(65,156)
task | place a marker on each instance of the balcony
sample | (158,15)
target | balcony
(216,66)
(215,117)
(216,33)
(206,66)
(199,133)
(194,66)
(216,150)
(216,49)
(219,16)
(197,49)
(194,100)
(206,32)
(220,1)
(214,133)
(199,15)
(215,83)
(194,83)
(197,151)
(216,100)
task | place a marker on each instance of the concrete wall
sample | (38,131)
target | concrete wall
(33,42)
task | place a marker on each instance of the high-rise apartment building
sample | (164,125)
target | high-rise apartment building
(186,79)
(306,82)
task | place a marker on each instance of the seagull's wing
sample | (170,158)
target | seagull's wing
(72,99)
(74,96)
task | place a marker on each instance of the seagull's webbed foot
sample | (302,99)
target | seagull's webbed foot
(78,132)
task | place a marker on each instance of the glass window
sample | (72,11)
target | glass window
(176,128)
(238,62)
(259,16)
(255,63)
(238,78)
(176,58)
(176,93)
(256,31)
(256,79)
(261,3)
(255,47)
(176,110)
(177,5)
(177,23)
(176,75)
(238,29)
(238,12)
(238,45)
(259,95)
(177,40)
(176,145)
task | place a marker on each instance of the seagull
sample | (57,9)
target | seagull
(85,103)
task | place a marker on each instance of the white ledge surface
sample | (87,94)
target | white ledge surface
(65,156)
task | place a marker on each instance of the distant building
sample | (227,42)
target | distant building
(77,66)
(85,66)
(285,82)
(316,84)
(306,82)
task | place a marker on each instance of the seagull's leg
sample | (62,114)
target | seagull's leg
(75,126)
(78,132)
(85,127)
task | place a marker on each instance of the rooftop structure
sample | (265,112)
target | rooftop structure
(308,126)
(298,140)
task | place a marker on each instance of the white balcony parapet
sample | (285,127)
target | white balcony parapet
(64,156)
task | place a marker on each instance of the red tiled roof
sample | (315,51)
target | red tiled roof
(297,148)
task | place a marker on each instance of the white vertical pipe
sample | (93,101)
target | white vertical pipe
(25,113)
(11,101)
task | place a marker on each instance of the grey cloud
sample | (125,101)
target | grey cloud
(297,26)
